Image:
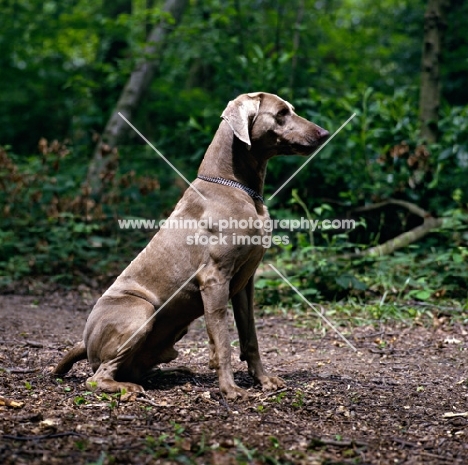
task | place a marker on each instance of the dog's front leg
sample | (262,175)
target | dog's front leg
(215,299)
(242,303)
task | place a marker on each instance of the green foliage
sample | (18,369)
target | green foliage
(335,272)
(79,400)
(172,446)
(64,65)
(50,225)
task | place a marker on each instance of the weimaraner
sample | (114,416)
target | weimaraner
(121,346)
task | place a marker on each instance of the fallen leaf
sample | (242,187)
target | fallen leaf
(186,444)
(11,403)
(128,397)
(49,423)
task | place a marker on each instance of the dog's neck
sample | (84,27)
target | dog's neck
(227,157)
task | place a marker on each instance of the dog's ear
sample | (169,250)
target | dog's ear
(240,113)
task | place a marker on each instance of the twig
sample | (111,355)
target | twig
(379,333)
(437,307)
(275,393)
(21,370)
(35,344)
(413,208)
(146,400)
(333,442)
(41,437)
(403,442)
(439,457)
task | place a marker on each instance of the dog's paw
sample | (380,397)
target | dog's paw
(131,387)
(233,393)
(111,386)
(271,383)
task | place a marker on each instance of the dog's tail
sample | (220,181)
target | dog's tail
(78,352)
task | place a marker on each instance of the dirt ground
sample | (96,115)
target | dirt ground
(401,398)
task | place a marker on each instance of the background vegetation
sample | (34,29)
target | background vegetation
(64,65)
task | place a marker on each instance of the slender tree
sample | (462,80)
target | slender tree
(429,97)
(296,42)
(136,86)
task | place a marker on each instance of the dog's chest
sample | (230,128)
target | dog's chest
(263,220)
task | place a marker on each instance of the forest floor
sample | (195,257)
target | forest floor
(401,398)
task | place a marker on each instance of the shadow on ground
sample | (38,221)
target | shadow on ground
(401,398)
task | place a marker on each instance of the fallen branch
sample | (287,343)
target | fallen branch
(429,223)
(406,238)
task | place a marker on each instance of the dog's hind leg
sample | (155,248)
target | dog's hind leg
(104,378)
(78,352)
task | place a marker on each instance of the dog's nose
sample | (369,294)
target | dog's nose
(323,134)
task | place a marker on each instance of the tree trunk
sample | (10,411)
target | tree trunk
(139,81)
(296,42)
(429,97)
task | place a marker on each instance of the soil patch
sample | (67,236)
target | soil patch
(401,398)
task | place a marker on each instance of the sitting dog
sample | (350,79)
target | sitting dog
(134,325)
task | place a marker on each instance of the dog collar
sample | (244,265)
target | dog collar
(230,183)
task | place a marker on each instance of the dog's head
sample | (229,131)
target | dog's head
(268,123)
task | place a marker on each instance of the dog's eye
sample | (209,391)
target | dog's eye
(282,113)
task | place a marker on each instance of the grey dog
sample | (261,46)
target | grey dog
(188,281)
